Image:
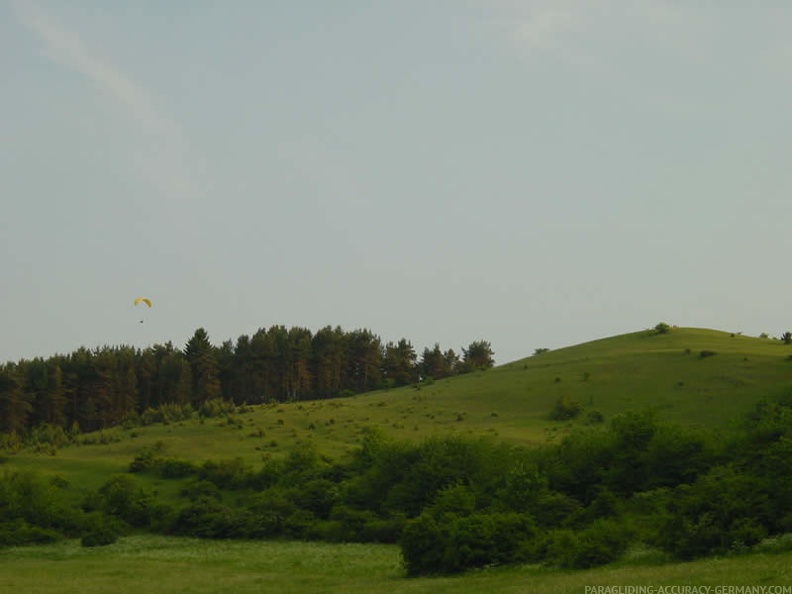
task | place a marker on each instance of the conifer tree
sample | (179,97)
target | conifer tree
(203,365)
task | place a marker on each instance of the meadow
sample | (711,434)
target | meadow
(162,565)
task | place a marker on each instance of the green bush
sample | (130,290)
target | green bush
(722,509)
(17,532)
(601,543)
(216,407)
(121,497)
(99,537)
(170,468)
(565,409)
(226,474)
(197,489)
(455,544)
(594,417)
(208,518)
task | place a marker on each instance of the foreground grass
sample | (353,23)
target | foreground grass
(160,564)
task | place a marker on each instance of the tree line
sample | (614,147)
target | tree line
(91,389)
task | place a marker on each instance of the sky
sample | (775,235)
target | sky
(535,173)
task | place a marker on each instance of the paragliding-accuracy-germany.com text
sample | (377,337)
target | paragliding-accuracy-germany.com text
(688,589)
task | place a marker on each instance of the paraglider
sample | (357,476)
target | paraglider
(140,300)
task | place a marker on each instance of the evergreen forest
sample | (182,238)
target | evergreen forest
(92,389)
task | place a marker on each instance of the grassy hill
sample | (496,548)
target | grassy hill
(664,372)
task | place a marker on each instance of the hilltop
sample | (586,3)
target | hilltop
(637,371)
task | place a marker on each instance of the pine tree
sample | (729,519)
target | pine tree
(14,406)
(203,365)
(478,355)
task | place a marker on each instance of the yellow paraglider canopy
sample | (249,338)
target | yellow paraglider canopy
(145,300)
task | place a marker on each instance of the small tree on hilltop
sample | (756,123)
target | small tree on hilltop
(787,337)
(662,328)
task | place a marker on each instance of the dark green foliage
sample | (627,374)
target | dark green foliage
(635,453)
(406,477)
(167,413)
(121,498)
(452,543)
(399,363)
(99,538)
(32,511)
(602,542)
(208,518)
(348,524)
(148,458)
(100,531)
(197,489)
(215,407)
(565,409)
(706,353)
(226,474)
(787,337)
(436,365)
(594,417)
(662,328)
(478,355)
(93,389)
(722,509)
(17,532)
(170,468)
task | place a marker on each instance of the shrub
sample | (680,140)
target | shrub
(662,328)
(216,407)
(705,353)
(348,524)
(120,497)
(18,533)
(226,474)
(208,518)
(721,509)
(171,468)
(198,489)
(565,409)
(454,544)
(594,417)
(601,543)
(49,434)
(99,537)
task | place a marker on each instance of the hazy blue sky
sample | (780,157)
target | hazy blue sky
(532,173)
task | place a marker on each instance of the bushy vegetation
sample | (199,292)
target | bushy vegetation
(565,409)
(455,503)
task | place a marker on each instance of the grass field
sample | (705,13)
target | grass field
(154,564)
(664,372)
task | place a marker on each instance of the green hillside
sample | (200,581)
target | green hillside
(664,372)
